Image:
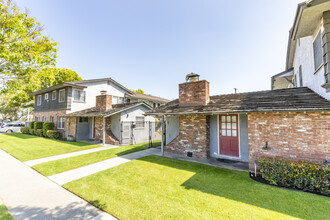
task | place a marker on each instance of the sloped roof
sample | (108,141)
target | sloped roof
(116,108)
(281,100)
(58,86)
(148,97)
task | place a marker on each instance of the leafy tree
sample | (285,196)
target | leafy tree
(23,48)
(138,91)
(17,90)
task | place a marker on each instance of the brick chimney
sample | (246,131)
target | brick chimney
(194,92)
(103,101)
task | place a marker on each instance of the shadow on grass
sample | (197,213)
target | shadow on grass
(236,185)
(137,147)
(27,136)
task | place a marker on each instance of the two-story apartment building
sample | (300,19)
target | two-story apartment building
(308,52)
(93,109)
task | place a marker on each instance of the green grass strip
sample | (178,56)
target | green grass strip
(59,166)
(156,187)
(29,147)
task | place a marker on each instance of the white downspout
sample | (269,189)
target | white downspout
(162,144)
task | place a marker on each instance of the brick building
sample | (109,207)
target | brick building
(287,123)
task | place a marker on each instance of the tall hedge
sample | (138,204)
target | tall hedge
(31,127)
(303,175)
(47,126)
(37,125)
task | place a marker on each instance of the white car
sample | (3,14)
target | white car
(11,127)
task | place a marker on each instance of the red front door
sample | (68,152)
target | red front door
(228,127)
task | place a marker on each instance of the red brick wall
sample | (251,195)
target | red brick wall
(109,137)
(297,135)
(71,127)
(193,136)
(103,102)
(48,114)
(194,93)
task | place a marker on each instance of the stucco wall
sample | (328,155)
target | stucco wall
(172,128)
(93,89)
(304,56)
(131,114)
(115,125)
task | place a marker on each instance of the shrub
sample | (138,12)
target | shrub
(31,131)
(307,176)
(25,130)
(37,125)
(39,132)
(47,126)
(53,134)
(31,124)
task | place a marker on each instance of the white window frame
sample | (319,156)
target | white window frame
(59,95)
(115,98)
(139,124)
(46,96)
(60,122)
(51,118)
(54,94)
(80,98)
(39,100)
(322,63)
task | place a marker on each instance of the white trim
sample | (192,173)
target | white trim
(46,96)
(54,92)
(59,95)
(314,38)
(39,103)
(239,140)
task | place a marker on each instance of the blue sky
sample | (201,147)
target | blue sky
(153,44)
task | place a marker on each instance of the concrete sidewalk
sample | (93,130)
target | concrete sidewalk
(29,195)
(72,154)
(78,173)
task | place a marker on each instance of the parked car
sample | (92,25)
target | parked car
(11,127)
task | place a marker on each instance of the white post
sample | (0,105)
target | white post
(103,131)
(162,144)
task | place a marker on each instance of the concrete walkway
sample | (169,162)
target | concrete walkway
(62,156)
(78,173)
(29,195)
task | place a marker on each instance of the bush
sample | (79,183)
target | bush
(25,130)
(53,134)
(39,132)
(37,125)
(31,124)
(31,131)
(303,175)
(47,126)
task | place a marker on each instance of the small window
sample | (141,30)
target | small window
(43,118)
(54,93)
(61,95)
(51,119)
(78,95)
(46,96)
(60,122)
(114,99)
(39,100)
(121,100)
(317,48)
(139,121)
(37,118)
(83,119)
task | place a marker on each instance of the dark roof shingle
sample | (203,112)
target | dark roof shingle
(294,99)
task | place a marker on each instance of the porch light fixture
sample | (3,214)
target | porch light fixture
(103,92)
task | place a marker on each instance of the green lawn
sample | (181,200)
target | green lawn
(4,213)
(154,187)
(58,166)
(28,147)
